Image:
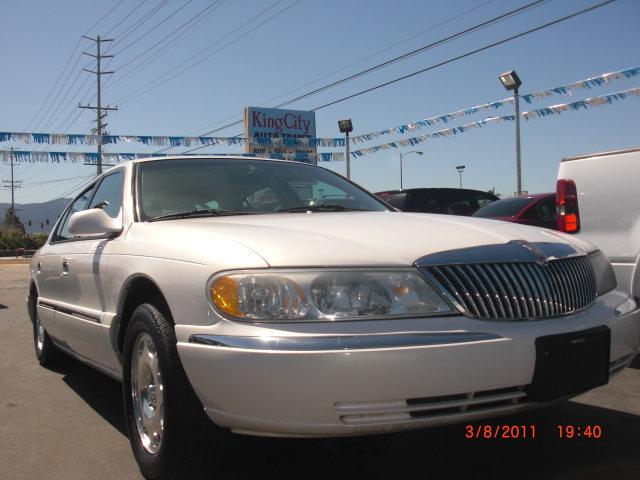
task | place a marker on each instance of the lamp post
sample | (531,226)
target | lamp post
(511,81)
(346,127)
(460,169)
(402,155)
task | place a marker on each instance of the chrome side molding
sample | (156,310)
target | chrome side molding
(342,342)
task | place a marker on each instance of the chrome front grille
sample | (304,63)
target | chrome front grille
(518,290)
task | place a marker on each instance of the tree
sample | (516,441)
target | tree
(492,191)
(11,220)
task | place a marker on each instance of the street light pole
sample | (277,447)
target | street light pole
(347,154)
(402,155)
(460,169)
(346,126)
(511,81)
(516,99)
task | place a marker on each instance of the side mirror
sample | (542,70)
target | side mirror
(94,221)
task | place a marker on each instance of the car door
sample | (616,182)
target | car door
(83,265)
(51,283)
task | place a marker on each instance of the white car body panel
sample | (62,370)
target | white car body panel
(306,393)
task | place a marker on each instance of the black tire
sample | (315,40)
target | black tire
(191,443)
(46,352)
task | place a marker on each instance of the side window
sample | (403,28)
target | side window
(109,194)
(79,204)
(547,209)
(461,203)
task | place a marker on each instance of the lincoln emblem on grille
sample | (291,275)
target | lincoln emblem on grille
(541,258)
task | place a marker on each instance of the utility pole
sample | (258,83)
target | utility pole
(13,185)
(99,108)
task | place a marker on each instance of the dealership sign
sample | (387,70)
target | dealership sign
(267,123)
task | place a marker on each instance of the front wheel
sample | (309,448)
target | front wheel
(46,352)
(170,434)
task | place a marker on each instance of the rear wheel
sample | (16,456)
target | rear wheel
(170,434)
(46,352)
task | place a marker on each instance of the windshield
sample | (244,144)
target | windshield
(239,186)
(503,208)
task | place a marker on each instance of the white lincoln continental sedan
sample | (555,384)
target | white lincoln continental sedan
(277,298)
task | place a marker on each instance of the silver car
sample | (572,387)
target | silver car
(277,298)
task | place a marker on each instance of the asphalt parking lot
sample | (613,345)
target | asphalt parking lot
(67,423)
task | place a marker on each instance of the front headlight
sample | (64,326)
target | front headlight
(325,295)
(605,276)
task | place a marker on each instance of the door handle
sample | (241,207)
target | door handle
(65,268)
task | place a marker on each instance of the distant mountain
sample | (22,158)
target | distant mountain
(38,213)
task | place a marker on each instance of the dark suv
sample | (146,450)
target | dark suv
(452,201)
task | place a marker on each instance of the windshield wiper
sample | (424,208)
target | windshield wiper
(323,207)
(204,212)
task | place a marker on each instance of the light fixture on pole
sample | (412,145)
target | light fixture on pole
(460,169)
(511,81)
(402,155)
(346,127)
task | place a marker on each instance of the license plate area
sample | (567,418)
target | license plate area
(570,363)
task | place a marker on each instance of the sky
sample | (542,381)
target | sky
(262,49)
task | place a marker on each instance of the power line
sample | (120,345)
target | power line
(472,52)
(35,184)
(67,64)
(58,113)
(416,51)
(55,84)
(133,27)
(147,88)
(152,28)
(75,188)
(399,58)
(135,9)
(197,18)
(451,60)
(378,52)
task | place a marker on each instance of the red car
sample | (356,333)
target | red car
(538,210)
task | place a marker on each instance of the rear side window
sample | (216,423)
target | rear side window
(109,194)
(79,204)
(461,202)
(503,208)
(427,201)
(547,209)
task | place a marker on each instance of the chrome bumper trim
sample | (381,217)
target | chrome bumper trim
(343,342)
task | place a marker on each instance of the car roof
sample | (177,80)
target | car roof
(434,189)
(209,157)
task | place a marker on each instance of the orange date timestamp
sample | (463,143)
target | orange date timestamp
(500,431)
(569,432)
(515,432)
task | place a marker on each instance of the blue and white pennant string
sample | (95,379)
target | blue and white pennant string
(173,141)
(29,156)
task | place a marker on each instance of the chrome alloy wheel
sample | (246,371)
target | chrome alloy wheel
(39,334)
(147,394)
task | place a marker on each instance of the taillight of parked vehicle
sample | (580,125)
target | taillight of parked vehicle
(568,215)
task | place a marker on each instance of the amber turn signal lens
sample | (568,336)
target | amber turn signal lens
(224,294)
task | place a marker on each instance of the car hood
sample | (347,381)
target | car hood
(345,238)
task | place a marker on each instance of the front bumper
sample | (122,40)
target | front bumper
(356,378)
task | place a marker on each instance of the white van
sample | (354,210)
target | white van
(598,198)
